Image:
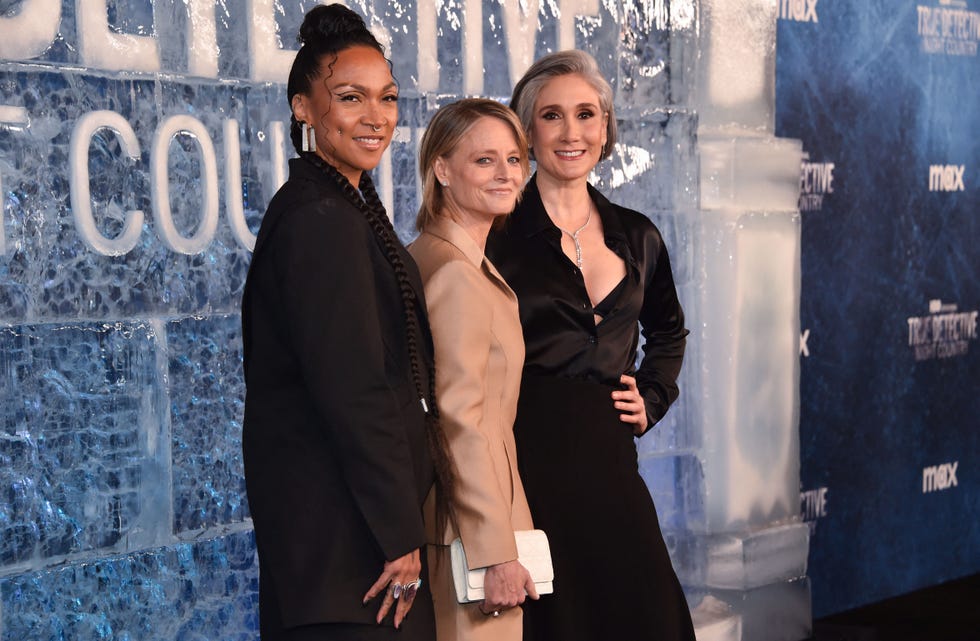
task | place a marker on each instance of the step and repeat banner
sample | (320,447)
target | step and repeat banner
(884,96)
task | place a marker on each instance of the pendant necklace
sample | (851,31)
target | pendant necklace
(574,237)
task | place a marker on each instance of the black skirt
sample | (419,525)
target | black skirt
(613,576)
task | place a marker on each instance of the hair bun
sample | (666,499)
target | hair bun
(329,22)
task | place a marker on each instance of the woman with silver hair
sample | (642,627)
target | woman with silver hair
(585,271)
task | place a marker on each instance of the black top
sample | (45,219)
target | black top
(336,458)
(560,332)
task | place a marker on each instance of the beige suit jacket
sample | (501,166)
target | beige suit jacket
(479,355)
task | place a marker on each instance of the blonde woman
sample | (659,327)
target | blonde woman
(474,162)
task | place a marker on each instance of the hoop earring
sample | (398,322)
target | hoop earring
(309,138)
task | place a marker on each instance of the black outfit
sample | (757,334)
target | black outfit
(613,577)
(336,461)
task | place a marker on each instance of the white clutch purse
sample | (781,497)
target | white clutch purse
(532,551)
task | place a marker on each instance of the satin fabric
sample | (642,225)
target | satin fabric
(560,334)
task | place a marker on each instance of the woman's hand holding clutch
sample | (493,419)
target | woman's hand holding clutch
(505,586)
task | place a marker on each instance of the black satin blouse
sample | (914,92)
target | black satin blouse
(560,333)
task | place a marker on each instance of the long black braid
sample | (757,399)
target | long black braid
(374,212)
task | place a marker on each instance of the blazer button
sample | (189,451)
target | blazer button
(593,340)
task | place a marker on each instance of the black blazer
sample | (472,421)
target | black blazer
(336,462)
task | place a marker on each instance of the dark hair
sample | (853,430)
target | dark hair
(326,30)
(441,137)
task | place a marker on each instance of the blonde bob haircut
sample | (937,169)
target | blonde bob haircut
(555,65)
(443,134)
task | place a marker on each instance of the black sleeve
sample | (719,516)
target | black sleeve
(329,292)
(664,335)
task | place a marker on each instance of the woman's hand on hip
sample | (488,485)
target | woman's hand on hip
(401,578)
(630,403)
(505,586)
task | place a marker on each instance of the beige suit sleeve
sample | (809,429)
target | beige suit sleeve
(461,319)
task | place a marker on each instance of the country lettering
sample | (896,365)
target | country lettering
(811,202)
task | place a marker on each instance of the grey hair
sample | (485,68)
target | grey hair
(563,63)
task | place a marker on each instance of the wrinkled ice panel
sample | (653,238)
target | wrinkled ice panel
(79,405)
(207,390)
(194,591)
(673,433)
(748,329)
(736,83)
(741,561)
(676,484)
(761,557)
(656,55)
(777,612)
(653,166)
(714,621)
(755,173)
(765,451)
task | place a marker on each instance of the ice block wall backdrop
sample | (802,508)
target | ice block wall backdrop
(139,145)
(884,95)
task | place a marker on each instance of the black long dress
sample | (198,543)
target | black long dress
(613,576)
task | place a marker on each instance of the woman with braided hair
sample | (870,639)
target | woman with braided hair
(341,436)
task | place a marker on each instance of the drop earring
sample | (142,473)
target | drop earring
(309,138)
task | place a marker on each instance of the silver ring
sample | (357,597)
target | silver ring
(410,588)
(396,590)
(376,127)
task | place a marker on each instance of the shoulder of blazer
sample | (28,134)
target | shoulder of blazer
(431,252)
(305,197)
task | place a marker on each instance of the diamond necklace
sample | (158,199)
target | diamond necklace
(574,237)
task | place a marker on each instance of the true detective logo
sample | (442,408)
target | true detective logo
(939,477)
(944,333)
(816,181)
(798,10)
(949,29)
(946,177)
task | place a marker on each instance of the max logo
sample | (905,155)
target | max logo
(939,477)
(946,177)
(798,10)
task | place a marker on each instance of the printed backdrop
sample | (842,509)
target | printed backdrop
(884,96)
